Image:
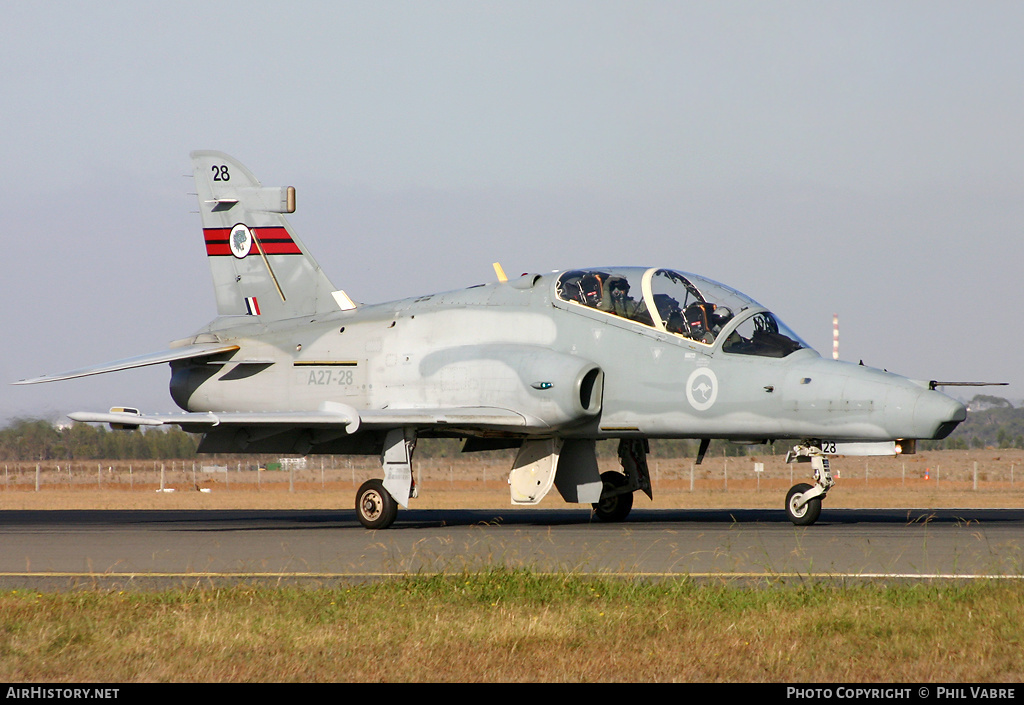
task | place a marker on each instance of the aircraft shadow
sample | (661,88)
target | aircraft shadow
(411,519)
(278,520)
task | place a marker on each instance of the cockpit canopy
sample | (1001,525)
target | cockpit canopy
(685,305)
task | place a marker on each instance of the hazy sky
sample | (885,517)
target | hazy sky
(857,158)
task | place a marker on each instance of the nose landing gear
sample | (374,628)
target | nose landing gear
(803,501)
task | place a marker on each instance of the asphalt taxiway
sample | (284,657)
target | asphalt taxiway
(118,549)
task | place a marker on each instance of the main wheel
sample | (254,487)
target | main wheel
(808,513)
(612,506)
(375,507)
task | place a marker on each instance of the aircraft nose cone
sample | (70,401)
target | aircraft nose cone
(939,414)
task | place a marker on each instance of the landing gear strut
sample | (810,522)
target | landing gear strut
(803,501)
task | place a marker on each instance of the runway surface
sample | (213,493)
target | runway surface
(143,549)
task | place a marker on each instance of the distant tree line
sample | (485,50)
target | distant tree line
(36,439)
(991,422)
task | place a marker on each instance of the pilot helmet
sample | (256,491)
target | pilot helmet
(618,285)
(721,316)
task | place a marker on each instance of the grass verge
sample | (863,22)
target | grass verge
(509,626)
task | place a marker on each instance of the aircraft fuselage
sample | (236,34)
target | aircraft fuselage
(569,370)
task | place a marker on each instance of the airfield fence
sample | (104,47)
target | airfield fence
(937,470)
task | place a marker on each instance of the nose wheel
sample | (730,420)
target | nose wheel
(801,510)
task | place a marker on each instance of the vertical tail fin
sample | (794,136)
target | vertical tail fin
(259,266)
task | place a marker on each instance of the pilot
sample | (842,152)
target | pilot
(618,300)
(719,318)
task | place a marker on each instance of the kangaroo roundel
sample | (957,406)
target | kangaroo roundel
(702,389)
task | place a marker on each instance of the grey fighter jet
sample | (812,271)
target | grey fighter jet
(545,363)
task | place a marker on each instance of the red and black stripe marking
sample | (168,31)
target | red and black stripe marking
(274,240)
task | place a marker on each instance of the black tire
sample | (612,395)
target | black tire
(613,507)
(375,507)
(809,513)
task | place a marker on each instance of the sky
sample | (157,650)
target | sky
(859,159)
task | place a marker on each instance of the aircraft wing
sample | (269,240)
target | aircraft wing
(329,415)
(187,352)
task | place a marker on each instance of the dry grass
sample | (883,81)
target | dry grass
(330,483)
(512,627)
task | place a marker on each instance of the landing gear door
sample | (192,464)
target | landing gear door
(397,464)
(533,472)
(579,479)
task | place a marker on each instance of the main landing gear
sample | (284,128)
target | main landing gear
(377,500)
(618,487)
(803,501)
(375,507)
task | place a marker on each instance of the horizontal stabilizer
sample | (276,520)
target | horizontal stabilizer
(188,352)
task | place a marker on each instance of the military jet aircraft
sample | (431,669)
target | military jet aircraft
(546,363)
